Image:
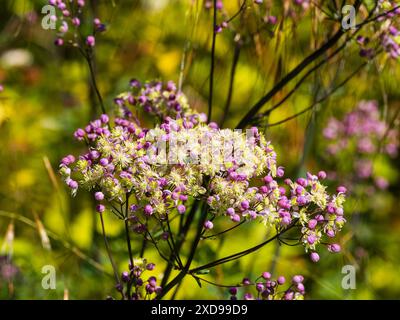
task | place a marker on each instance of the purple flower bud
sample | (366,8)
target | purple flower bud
(103,162)
(79,134)
(258,1)
(301,201)
(271,20)
(281,280)
(104,118)
(149,289)
(330,233)
(311,239)
(246,281)
(235,218)
(286,221)
(90,41)
(341,189)
(248,296)
(99,196)
(181,209)
(334,248)
(259,287)
(302,182)
(322,175)
(125,276)
(134,83)
(289,295)
(68,160)
(280,172)
(297,279)
(76,21)
(312,224)
(268,179)
(148,210)
(245,205)
(59,42)
(300,287)
(233,291)
(208,224)
(153,282)
(150,266)
(266,275)
(81,3)
(314,257)
(100,208)
(73,184)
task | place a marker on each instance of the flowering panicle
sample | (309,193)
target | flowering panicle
(265,288)
(68,18)
(362,133)
(125,165)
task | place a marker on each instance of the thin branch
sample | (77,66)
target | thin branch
(231,82)
(89,61)
(320,99)
(240,254)
(114,267)
(222,232)
(214,38)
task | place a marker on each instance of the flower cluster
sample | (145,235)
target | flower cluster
(362,133)
(157,99)
(135,282)
(68,18)
(265,288)
(388,35)
(121,167)
(8,270)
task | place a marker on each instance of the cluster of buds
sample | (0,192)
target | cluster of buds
(388,35)
(135,284)
(68,18)
(265,288)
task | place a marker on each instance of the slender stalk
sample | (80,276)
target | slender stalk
(185,270)
(231,82)
(128,242)
(225,231)
(181,239)
(214,38)
(241,254)
(89,61)
(114,267)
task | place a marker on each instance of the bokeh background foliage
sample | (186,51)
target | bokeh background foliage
(48,95)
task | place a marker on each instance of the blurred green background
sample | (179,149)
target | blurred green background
(47,95)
